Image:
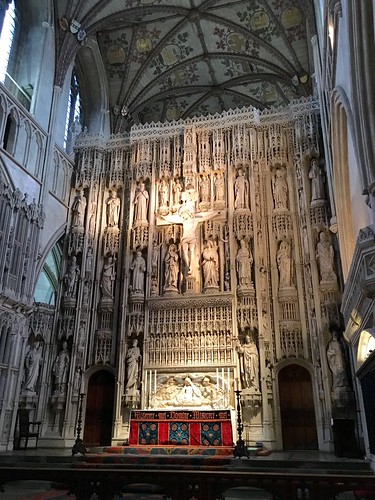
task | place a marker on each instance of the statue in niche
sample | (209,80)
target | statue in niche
(60,368)
(89,260)
(113,209)
(85,293)
(280,189)
(325,258)
(108,278)
(79,209)
(141,203)
(177,190)
(33,361)
(249,363)
(163,193)
(336,362)
(155,258)
(244,264)
(210,264)
(71,279)
(284,264)
(133,361)
(139,268)
(317,187)
(241,191)
(204,189)
(219,185)
(81,336)
(171,267)
(92,220)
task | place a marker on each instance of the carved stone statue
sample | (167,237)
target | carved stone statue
(241,191)
(133,361)
(71,279)
(280,189)
(219,184)
(113,209)
(341,393)
(108,278)
(163,193)
(204,189)
(171,268)
(284,264)
(141,203)
(139,268)
(249,363)
(79,209)
(244,264)
(33,361)
(336,361)
(60,369)
(210,264)
(155,258)
(177,190)
(325,258)
(317,188)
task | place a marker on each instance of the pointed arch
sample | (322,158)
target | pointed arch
(341,134)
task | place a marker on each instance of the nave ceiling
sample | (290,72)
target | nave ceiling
(166,60)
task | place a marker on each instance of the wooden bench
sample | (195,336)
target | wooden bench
(27,429)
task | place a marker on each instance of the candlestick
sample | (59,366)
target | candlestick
(240,449)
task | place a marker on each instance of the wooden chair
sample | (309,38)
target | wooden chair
(27,429)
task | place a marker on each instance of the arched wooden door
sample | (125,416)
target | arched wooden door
(298,422)
(99,409)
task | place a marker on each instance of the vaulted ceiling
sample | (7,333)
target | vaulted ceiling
(171,59)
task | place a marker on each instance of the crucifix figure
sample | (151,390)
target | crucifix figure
(189,240)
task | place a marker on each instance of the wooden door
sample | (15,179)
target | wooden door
(297,409)
(99,409)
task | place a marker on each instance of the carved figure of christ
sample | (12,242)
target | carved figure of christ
(189,239)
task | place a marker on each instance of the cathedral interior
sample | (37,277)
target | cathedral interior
(186,211)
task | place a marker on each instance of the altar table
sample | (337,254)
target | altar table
(181,427)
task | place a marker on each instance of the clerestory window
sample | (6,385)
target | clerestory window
(6,39)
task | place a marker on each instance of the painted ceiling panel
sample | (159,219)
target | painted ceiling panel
(168,59)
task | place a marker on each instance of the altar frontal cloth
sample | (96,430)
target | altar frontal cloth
(188,428)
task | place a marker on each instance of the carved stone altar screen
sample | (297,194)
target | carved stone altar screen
(206,242)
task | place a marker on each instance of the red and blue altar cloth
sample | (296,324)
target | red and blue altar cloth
(180,427)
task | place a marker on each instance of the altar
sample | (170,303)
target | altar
(180,427)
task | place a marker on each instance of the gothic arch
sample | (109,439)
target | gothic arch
(341,133)
(307,398)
